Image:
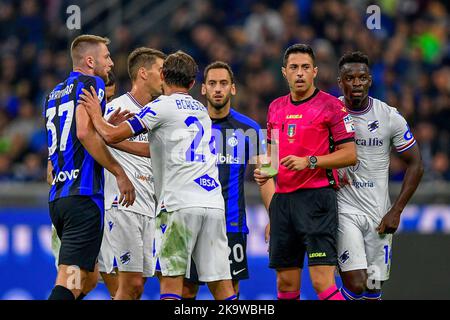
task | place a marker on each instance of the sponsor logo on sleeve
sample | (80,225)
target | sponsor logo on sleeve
(349,125)
(101,95)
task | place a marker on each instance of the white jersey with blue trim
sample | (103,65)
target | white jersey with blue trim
(364,187)
(138,169)
(184,166)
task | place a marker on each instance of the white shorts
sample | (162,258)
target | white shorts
(106,260)
(360,247)
(132,236)
(197,233)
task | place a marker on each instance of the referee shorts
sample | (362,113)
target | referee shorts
(304,221)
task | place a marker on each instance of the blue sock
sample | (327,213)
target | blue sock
(371,296)
(348,295)
(169,296)
(233,297)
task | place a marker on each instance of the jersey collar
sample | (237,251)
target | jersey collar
(361,112)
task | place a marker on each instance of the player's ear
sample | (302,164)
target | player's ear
(203,89)
(233,89)
(142,73)
(339,81)
(283,72)
(90,61)
(370,80)
(315,70)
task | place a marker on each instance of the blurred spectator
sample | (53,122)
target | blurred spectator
(410,59)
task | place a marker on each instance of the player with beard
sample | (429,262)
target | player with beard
(238,141)
(78,155)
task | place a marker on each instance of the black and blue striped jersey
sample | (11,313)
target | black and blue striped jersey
(237,140)
(75,171)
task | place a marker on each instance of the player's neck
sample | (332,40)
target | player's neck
(86,71)
(140,95)
(299,96)
(169,90)
(219,113)
(357,106)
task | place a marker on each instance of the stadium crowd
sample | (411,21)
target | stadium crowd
(410,57)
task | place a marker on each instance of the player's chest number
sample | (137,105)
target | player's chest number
(50,114)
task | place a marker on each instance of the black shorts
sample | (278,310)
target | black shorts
(303,221)
(78,221)
(237,248)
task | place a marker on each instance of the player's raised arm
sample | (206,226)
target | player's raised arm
(111,134)
(96,147)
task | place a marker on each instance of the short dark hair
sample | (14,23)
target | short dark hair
(353,57)
(111,79)
(218,65)
(298,48)
(179,69)
(142,57)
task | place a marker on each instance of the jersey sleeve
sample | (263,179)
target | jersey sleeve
(270,123)
(151,116)
(401,135)
(99,87)
(109,109)
(258,147)
(341,124)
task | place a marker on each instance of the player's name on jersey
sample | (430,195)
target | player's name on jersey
(60,93)
(189,104)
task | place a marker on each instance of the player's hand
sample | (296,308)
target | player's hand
(126,188)
(294,163)
(118,116)
(89,100)
(260,177)
(390,222)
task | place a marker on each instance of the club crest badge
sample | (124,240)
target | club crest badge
(373,125)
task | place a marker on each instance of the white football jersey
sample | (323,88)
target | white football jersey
(138,169)
(185,170)
(364,187)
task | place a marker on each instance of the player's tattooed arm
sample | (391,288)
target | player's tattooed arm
(111,134)
(413,175)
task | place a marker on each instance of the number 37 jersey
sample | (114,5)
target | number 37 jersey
(75,171)
(184,167)
(378,128)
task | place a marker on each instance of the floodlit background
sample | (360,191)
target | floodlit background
(410,56)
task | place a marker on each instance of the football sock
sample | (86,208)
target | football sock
(169,296)
(332,293)
(348,295)
(233,297)
(371,296)
(61,293)
(292,295)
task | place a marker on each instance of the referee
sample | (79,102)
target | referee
(313,134)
